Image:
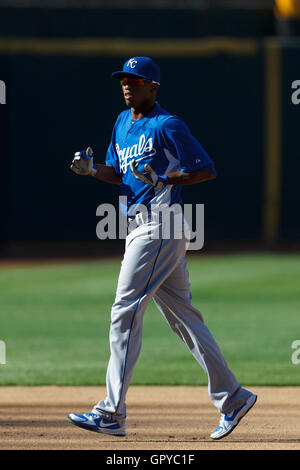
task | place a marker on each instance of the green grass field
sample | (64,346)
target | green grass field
(55,322)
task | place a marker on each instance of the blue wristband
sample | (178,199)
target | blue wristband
(83,154)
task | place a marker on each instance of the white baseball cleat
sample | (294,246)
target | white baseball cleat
(94,422)
(231,420)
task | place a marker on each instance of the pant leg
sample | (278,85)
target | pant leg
(174,300)
(146,264)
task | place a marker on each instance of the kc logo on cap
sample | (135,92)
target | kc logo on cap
(142,67)
(131,63)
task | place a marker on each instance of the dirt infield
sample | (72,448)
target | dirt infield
(165,418)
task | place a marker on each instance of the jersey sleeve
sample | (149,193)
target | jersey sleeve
(183,146)
(112,157)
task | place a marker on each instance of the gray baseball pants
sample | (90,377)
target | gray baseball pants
(156,269)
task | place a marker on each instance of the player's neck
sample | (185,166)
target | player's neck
(142,111)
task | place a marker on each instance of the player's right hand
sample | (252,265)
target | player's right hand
(82,163)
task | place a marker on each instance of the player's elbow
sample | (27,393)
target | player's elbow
(209,172)
(208,175)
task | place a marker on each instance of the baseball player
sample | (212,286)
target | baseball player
(151,155)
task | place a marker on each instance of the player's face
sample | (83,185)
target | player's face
(138,92)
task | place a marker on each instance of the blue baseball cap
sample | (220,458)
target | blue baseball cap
(142,67)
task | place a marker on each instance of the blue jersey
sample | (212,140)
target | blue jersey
(162,140)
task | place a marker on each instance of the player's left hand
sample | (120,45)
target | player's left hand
(150,178)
